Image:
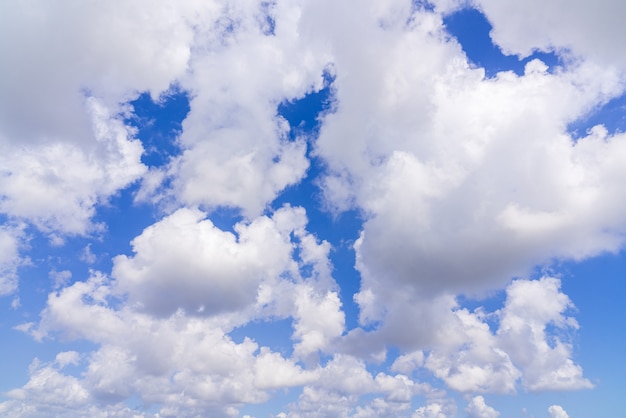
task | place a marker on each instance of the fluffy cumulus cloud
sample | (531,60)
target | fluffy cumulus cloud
(463,200)
(462,183)
(64,146)
(184,261)
(557,411)
(56,185)
(532,306)
(236,149)
(477,408)
(177,352)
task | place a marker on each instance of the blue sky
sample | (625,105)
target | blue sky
(309,209)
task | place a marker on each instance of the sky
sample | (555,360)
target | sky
(311,208)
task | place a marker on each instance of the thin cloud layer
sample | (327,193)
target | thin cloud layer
(464,186)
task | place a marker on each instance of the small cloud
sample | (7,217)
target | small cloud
(557,411)
(87,256)
(60,278)
(477,408)
(67,357)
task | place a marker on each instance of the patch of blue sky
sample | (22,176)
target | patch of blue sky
(273,332)
(225,218)
(303,114)
(23,350)
(597,287)
(536,404)
(340,230)
(471,29)
(159,123)
(45,259)
(611,115)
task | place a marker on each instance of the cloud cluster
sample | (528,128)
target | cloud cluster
(485,352)
(169,343)
(460,201)
(463,183)
(64,146)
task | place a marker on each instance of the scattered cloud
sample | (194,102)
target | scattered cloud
(477,408)
(557,411)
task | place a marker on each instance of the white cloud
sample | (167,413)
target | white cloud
(87,256)
(477,408)
(461,201)
(318,320)
(531,307)
(51,388)
(59,278)
(435,409)
(181,357)
(11,239)
(111,50)
(185,262)
(526,344)
(406,363)
(590,31)
(482,197)
(233,139)
(470,359)
(184,363)
(343,380)
(465,182)
(557,411)
(64,147)
(56,184)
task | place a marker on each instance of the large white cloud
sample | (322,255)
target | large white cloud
(468,199)
(465,182)
(64,148)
